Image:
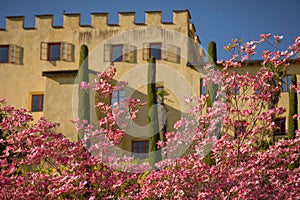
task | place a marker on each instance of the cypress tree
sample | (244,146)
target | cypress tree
(212,93)
(293,110)
(275,82)
(212,53)
(212,59)
(154,153)
(83,96)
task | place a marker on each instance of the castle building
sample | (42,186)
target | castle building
(39,65)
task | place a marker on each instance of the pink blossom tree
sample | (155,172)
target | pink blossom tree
(38,163)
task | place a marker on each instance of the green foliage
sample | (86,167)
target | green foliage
(212,59)
(162,93)
(83,96)
(212,52)
(294,165)
(154,154)
(45,170)
(208,100)
(293,110)
(264,144)
(209,160)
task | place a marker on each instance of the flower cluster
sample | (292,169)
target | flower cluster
(223,150)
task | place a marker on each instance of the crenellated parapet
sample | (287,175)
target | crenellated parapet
(153,18)
(43,21)
(100,21)
(127,19)
(67,38)
(71,20)
(14,22)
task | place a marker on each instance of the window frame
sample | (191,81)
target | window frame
(203,88)
(235,90)
(49,51)
(287,80)
(40,107)
(140,154)
(66,51)
(5,46)
(119,98)
(111,52)
(281,125)
(150,50)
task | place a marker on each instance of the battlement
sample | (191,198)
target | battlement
(99,20)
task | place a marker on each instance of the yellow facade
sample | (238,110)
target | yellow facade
(253,67)
(31,71)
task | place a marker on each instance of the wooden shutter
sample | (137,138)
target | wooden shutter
(18,55)
(164,51)
(63,51)
(130,53)
(126,51)
(67,52)
(133,54)
(146,49)
(15,54)
(178,53)
(173,53)
(11,53)
(44,51)
(107,53)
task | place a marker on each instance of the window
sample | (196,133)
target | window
(4,49)
(117,53)
(117,96)
(155,50)
(239,128)
(160,51)
(280,124)
(237,90)
(202,87)
(55,51)
(37,102)
(11,54)
(152,49)
(234,89)
(140,149)
(286,83)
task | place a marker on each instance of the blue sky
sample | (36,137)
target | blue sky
(217,20)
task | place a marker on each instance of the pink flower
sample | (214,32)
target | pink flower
(263,37)
(278,38)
